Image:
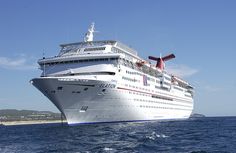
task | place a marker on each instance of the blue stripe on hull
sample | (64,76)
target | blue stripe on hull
(74,124)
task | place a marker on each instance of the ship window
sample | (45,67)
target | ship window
(167,78)
(188,96)
(178,88)
(94,49)
(85,89)
(103,90)
(114,59)
(166,83)
(59,88)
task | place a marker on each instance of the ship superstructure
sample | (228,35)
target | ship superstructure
(106,81)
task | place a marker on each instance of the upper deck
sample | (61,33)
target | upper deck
(91,49)
(93,46)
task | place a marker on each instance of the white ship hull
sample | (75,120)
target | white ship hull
(84,101)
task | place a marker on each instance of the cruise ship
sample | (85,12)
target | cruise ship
(106,81)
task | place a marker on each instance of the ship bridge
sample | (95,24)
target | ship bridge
(95,47)
(89,46)
(87,56)
(91,50)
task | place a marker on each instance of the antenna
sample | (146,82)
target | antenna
(89,35)
(44,64)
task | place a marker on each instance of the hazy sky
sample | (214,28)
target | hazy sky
(202,35)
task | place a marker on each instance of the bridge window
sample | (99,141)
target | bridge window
(94,49)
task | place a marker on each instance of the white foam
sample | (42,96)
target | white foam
(153,136)
(107,149)
(164,136)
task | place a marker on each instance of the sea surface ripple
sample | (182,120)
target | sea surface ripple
(201,135)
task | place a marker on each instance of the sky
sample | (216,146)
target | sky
(202,35)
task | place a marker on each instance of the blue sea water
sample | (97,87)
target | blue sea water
(201,135)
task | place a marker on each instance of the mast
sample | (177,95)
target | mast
(43,64)
(89,35)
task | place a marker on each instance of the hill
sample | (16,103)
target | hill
(27,115)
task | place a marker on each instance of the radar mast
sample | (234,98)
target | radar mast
(89,35)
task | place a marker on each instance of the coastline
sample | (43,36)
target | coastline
(10,123)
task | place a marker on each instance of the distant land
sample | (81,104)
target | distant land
(7,115)
(197,115)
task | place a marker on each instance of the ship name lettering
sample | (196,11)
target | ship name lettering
(107,85)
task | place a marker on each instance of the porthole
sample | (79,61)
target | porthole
(59,88)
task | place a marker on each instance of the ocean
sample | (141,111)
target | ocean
(199,135)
